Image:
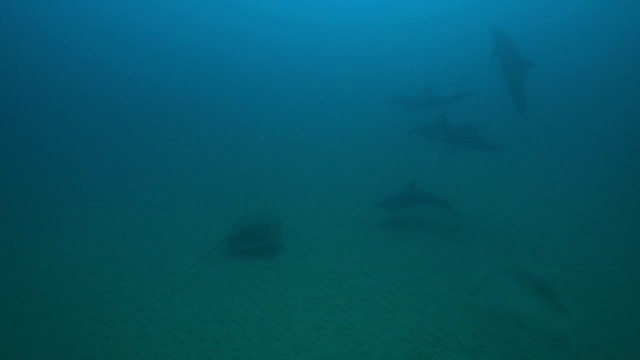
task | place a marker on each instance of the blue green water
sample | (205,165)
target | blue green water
(133,136)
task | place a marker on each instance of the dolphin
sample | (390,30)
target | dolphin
(514,68)
(411,197)
(464,136)
(428,100)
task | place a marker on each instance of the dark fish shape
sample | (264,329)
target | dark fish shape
(546,291)
(411,197)
(254,235)
(514,68)
(464,136)
(427,100)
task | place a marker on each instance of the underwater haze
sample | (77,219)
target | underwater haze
(443,179)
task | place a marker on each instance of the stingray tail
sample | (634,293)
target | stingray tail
(207,254)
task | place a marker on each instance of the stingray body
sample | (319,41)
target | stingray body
(465,136)
(254,235)
(412,197)
(428,100)
(514,68)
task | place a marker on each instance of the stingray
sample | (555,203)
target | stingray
(410,197)
(254,235)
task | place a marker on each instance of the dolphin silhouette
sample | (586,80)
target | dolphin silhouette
(411,197)
(464,136)
(514,68)
(428,100)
